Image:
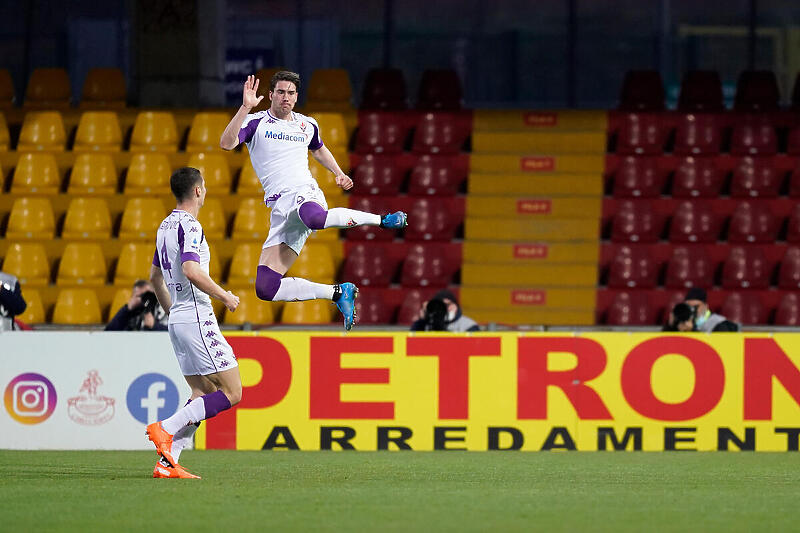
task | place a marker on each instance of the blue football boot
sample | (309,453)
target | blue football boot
(394,220)
(346,302)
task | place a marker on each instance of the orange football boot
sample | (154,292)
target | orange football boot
(162,441)
(177,471)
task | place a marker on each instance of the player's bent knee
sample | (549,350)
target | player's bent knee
(267,283)
(234,396)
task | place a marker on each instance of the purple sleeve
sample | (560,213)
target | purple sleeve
(156,262)
(185,255)
(247,132)
(316,142)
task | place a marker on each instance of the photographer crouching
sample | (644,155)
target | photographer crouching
(141,313)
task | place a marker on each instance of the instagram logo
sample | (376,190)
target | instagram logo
(30,398)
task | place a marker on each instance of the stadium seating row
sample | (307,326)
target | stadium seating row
(683,266)
(701,220)
(439,89)
(617,307)
(701,91)
(702,176)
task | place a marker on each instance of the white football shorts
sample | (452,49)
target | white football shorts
(201,349)
(284,220)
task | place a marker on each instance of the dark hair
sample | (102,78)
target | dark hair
(284,75)
(682,312)
(183,181)
(696,293)
(139,283)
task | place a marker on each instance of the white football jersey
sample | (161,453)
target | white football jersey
(279,150)
(180,238)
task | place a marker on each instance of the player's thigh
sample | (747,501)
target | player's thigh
(229,381)
(279,257)
(200,385)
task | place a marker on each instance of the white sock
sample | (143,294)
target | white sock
(342,217)
(299,289)
(189,414)
(182,439)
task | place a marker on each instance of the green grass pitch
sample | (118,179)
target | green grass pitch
(401,491)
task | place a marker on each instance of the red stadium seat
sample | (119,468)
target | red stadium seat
(440,133)
(689,266)
(757,91)
(694,222)
(635,221)
(788,312)
(697,177)
(435,175)
(793,226)
(370,204)
(371,309)
(638,177)
(378,174)
(381,133)
(630,309)
(744,307)
(425,267)
(698,134)
(753,222)
(755,176)
(384,89)
(432,221)
(412,304)
(754,135)
(642,90)
(367,265)
(439,90)
(746,268)
(789,272)
(641,134)
(632,266)
(701,91)
(793,141)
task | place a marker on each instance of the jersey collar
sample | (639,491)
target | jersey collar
(273,117)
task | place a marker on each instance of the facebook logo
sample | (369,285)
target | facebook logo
(152,397)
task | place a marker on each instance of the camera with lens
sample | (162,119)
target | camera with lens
(682,318)
(149,302)
(435,317)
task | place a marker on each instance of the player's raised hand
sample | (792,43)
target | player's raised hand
(344,181)
(250,97)
(232,302)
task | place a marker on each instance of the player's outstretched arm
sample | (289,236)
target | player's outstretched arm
(160,288)
(201,280)
(230,137)
(326,159)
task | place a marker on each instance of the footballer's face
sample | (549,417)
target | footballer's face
(283,98)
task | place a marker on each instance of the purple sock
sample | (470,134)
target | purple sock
(215,403)
(312,215)
(267,282)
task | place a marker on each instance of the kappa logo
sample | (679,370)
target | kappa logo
(300,200)
(214,343)
(271,121)
(194,229)
(89,408)
(273,197)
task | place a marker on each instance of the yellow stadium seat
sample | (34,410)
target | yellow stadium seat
(248,181)
(251,221)
(42,130)
(314,264)
(48,88)
(214,268)
(36,173)
(87,218)
(77,307)
(28,261)
(154,131)
(244,264)
(212,218)
(31,218)
(134,263)
(205,131)
(6,89)
(148,173)
(5,138)
(93,174)
(82,263)
(251,309)
(121,297)
(324,176)
(215,171)
(103,88)
(330,85)
(332,130)
(98,131)
(34,310)
(141,218)
(308,312)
